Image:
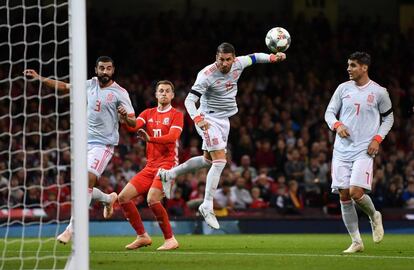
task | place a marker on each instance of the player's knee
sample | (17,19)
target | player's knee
(344,195)
(153,200)
(92,178)
(122,198)
(219,163)
(207,157)
(356,193)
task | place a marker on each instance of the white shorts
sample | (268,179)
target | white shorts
(352,173)
(215,137)
(99,157)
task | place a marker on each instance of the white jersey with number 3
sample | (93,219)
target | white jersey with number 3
(103,121)
(360,109)
(217,90)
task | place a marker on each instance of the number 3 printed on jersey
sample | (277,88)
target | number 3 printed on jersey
(98,106)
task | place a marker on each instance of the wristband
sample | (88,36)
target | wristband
(377,138)
(337,124)
(198,118)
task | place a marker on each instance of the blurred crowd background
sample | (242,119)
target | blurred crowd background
(279,149)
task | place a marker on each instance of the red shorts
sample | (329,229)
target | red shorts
(147,178)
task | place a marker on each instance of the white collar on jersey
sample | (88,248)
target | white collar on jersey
(166,110)
(363,86)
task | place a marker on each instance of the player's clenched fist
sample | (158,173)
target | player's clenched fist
(373,148)
(31,74)
(122,112)
(203,124)
(143,135)
(278,57)
(342,131)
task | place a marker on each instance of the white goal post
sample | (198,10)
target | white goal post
(43,134)
(77,33)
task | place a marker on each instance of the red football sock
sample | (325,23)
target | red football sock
(132,215)
(162,217)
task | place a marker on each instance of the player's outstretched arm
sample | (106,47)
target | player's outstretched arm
(129,120)
(32,74)
(262,58)
(171,137)
(138,125)
(278,57)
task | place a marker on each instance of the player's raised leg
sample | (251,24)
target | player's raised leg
(168,176)
(367,206)
(107,199)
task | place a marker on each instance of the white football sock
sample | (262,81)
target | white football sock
(97,194)
(213,179)
(350,218)
(366,205)
(190,165)
(70,225)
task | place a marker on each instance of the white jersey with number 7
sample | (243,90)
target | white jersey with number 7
(360,109)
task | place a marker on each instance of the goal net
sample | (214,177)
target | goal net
(36,151)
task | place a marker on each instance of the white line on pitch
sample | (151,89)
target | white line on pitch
(258,254)
(239,254)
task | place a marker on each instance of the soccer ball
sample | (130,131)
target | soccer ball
(277,39)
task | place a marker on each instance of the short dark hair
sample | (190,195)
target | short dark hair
(226,47)
(104,59)
(362,58)
(164,82)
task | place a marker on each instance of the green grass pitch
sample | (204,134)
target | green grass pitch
(277,251)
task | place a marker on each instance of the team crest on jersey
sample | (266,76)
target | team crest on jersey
(235,74)
(109,98)
(229,86)
(370,98)
(166,121)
